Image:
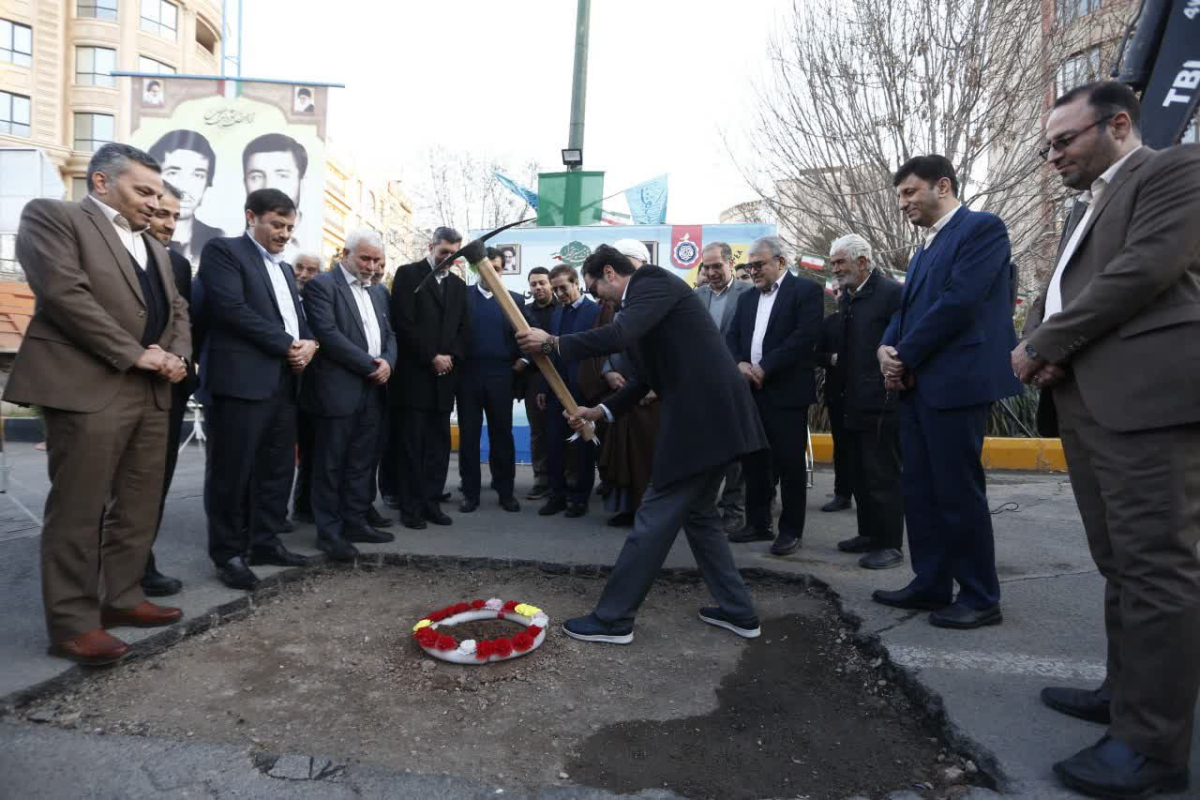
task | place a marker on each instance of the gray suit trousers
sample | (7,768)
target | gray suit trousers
(690,504)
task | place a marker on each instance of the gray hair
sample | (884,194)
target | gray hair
(772,243)
(113,158)
(364,235)
(309,255)
(726,250)
(854,246)
(169,188)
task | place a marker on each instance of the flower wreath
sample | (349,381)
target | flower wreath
(469,651)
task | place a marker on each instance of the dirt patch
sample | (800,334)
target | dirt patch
(327,667)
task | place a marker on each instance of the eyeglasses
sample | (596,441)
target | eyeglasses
(756,266)
(1061,143)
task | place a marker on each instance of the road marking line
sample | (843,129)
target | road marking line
(1003,663)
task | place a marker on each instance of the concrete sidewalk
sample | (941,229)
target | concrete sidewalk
(988,679)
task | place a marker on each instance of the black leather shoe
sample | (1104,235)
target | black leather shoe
(391,501)
(236,575)
(1111,768)
(338,549)
(468,505)
(155,584)
(288,527)
(838,503)
(908,598)
(1089,704)
(859,544)
(537,493)
(510,504)
(886,558)
(377,520)
(749,533)
(732,523)
(622,520)
(276,555)
(963,617)
(437,516)
(575,510)
(303,516)
(416,523)
(784,544)
(367,535)
(552,507)
(444,497)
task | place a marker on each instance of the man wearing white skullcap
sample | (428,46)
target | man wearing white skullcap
(633,250)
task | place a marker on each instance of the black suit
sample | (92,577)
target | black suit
(676,350)
(346,407)
(376,480)
(429,319)
(835,382)
(306,433)
(870,430)
(252,419)
(788,359)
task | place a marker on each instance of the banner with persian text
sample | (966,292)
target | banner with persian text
(219,140)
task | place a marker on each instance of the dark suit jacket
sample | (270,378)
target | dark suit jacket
(708,417)
(181,270)
(954,330)
(829,345)
(864,317)
(790,344)
(87,327)
(583,319)
(736,289)
(246,341)
(334,384)
(427,323)
(1130,326)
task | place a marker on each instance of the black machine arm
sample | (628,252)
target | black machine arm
(1162,61)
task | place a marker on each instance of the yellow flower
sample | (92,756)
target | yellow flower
(526,610)
(422,624)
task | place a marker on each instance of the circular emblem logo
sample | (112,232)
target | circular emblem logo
(686,253)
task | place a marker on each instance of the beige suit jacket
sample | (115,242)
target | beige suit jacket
(86,331)
(1130,325)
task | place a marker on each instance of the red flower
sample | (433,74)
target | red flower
(477,604)
(445,643)
(533,631)
(460,608)
(484,649)
(522,642)
(511,605)
(427,637)
(436,616)
(503,647)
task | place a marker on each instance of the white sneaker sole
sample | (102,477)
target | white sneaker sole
(625,638)
(745,633)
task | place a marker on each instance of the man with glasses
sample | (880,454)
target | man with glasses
(1113,342)
(720,296)
(773,338)
(945,352)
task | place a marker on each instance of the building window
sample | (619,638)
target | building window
(8,253)
(159,16)
(14,114)
(78,189)
(94,66)
(16,43)
(152,66)
(96,9)
(205,36)
(92,130)
(1078,69)
(1069,10)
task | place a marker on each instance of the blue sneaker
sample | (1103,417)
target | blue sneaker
(746,628)
(590,629)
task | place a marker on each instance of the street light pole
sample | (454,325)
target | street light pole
(579,79)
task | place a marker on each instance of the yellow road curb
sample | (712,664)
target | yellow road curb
(1040,455)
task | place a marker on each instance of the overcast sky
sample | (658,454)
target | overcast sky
(665,79)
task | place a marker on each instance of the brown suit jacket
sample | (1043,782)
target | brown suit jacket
(1130,326)
(87,327)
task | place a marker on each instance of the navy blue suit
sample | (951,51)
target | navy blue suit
(954,333)
(580,454)
(252,398)
(789,358)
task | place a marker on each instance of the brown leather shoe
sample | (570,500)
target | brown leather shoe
(94,648)
(143,615)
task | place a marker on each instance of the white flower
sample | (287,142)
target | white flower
(495,604)
(467,647)
(541,620)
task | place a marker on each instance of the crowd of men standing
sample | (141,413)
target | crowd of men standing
(286,356)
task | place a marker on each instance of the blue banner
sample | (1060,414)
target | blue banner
(520,191)
(648,201)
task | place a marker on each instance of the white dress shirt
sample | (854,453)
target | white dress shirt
(366,310)
(133,241)
(766,302)
(283,297)
(936,227)
(1054,302)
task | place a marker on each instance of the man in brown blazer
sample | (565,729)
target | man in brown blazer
(108,337)
(1114,344)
